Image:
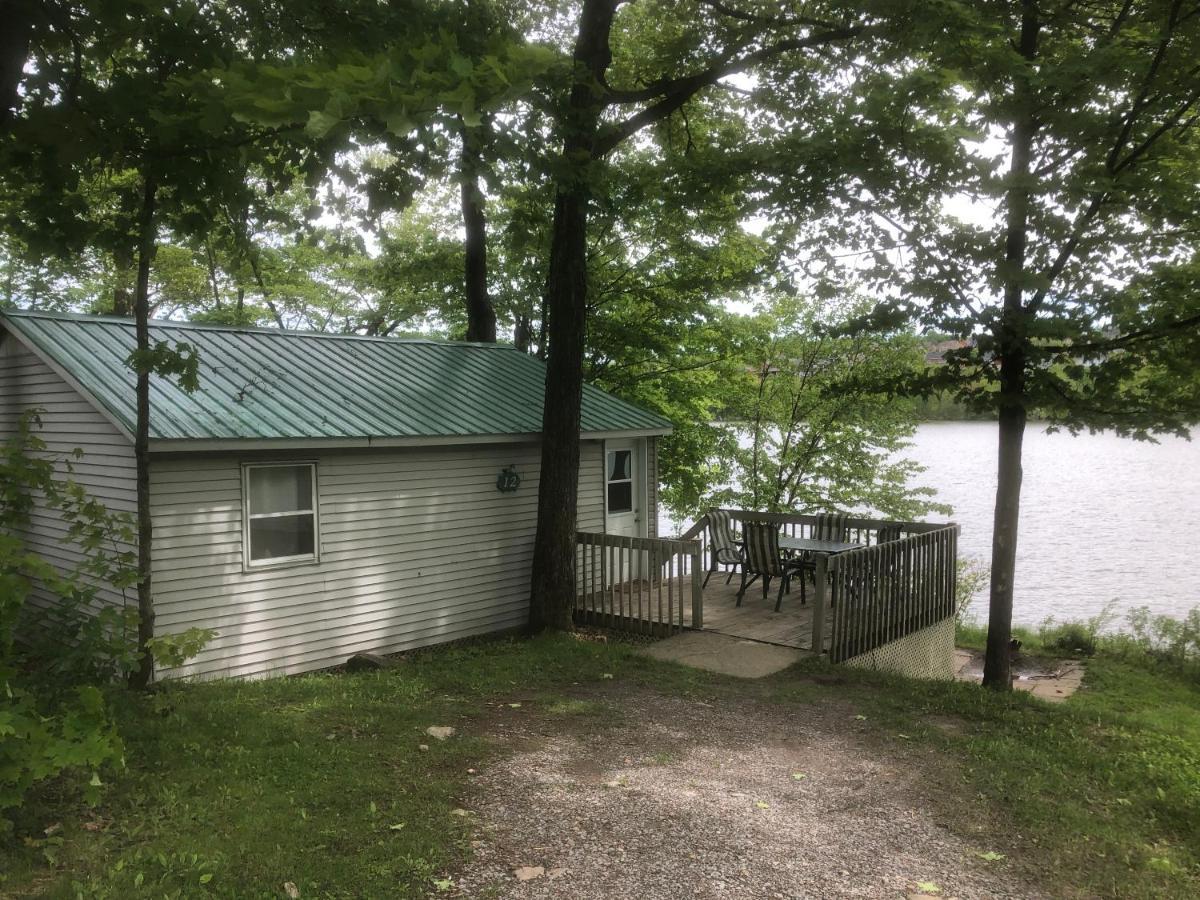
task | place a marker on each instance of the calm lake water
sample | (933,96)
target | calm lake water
(1102,518)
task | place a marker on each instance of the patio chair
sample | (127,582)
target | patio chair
(831,527)
(726,548)
(828,527)
(764,560)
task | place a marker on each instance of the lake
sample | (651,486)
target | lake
(1102,518)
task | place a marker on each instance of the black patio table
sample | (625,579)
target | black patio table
(812,545)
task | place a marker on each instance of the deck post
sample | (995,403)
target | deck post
(697,589)
(818,620)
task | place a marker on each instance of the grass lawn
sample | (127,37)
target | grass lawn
(235,788)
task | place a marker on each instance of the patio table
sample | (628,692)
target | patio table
(821,550)
(812,545)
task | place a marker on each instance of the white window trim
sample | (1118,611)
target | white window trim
(279,562)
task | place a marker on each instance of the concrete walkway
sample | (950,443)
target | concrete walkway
(725,654)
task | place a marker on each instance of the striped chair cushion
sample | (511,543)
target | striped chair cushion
(831,527)
(724,541)
(762,549)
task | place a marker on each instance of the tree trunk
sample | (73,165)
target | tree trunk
(553,593)
(1012,337)
(522,333)
(140,677)
(997,669)
(481,315)
(17,16)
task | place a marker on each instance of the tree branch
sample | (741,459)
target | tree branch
(1125,340)
(674,92)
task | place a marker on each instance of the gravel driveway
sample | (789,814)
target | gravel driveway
(629,793)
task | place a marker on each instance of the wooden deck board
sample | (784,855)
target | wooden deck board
(756,618)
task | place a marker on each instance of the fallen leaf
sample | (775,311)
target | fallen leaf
(291,890)
(396,827)
(799,776)
(459,812)
(514,705)
(528,873)
(761,805)
(861,718)
(990,856)
(929,887)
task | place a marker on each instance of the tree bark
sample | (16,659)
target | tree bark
(522,333)
(1012,338)
(140,677)
(553,591)
(481,315)
(17,16)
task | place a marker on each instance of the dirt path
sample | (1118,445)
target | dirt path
(635,794)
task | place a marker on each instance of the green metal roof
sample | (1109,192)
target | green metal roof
(268,385)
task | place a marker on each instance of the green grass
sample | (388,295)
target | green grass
(234,788)
(1101,793)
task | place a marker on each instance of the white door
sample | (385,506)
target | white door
(625,498)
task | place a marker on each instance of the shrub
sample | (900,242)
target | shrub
(972,576)
(1166,640)
(54,721)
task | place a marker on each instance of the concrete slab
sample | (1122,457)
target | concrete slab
(725,654)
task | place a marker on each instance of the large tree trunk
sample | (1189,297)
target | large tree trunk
(481,315)
(553,592)
(17,16)
(140,677)
(1012,340)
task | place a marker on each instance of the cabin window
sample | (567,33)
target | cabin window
(620,481)
(280,503)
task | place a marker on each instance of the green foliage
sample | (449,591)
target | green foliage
(169,360)
(50,724)
(1077,637)
(39,741)
(972,578)
(55,659)
(173,650)
(816,431)
(1173,643)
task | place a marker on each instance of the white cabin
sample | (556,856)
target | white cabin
(320,495)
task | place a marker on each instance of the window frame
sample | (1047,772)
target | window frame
(279,562)
(631,481)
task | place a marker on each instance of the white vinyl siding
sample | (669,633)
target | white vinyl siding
(105,470)
(652,487)
(417,547)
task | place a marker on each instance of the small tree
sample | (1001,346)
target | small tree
(817,431)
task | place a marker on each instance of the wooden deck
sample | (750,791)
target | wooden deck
(756,619)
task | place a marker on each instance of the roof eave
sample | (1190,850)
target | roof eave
(235,445)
